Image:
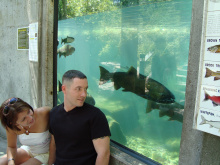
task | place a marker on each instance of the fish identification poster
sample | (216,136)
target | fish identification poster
(207,110)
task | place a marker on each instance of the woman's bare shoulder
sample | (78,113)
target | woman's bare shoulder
(43,110)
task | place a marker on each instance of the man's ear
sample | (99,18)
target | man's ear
(63,88)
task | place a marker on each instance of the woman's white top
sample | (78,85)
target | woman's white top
(37,142)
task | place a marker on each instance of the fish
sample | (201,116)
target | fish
(89,99)
(138,84)
(67,40)
(66,50)
(178,116)
(163,107)
(215,99)
(214,49)
(174,110)
(210,73)
(215,124)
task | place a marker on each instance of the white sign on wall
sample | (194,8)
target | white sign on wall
(207,111)
(33,42)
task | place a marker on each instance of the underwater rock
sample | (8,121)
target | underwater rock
(116,132)
(89,99)
(173,144)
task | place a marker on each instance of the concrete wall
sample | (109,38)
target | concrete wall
(19,76)
(14,64)
(31,81)
(197,148)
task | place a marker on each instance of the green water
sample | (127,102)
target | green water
(152,38)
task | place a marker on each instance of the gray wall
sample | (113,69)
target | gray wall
(31,81)
(197,148)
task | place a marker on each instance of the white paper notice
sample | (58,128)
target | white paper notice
(33,42)
(213,23)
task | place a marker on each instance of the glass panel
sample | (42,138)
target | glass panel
(135,55)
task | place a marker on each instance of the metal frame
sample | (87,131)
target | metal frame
(134,154)
(55,30)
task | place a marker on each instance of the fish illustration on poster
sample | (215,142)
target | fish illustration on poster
(210,97)
(209,121)
(214,5)
(212,49)
(211,73)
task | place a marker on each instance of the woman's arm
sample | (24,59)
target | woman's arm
(12,146)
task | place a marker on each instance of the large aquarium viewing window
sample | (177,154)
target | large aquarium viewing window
(135,55)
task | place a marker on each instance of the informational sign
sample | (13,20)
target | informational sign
(207,111)
(23,38)
(33,42)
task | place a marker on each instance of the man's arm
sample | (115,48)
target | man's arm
(102,147)
(52,153)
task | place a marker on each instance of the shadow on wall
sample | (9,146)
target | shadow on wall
(3,140)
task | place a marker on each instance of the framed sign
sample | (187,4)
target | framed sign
(23,38)
(207,110)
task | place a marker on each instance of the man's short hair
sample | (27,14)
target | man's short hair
(71,74)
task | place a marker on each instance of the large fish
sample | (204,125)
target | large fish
(174,110)
(215,99)
(214,49)
(65,50)
(215,124)
(137,83)
(210,73)
(67,40)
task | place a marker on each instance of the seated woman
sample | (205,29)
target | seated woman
(31,126)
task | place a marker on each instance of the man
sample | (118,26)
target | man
(80,132)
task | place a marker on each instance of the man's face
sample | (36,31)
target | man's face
(75,92)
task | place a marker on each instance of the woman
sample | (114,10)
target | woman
(31,126)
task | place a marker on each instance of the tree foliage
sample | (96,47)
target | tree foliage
(76,8)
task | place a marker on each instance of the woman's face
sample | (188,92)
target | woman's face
(26,118)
